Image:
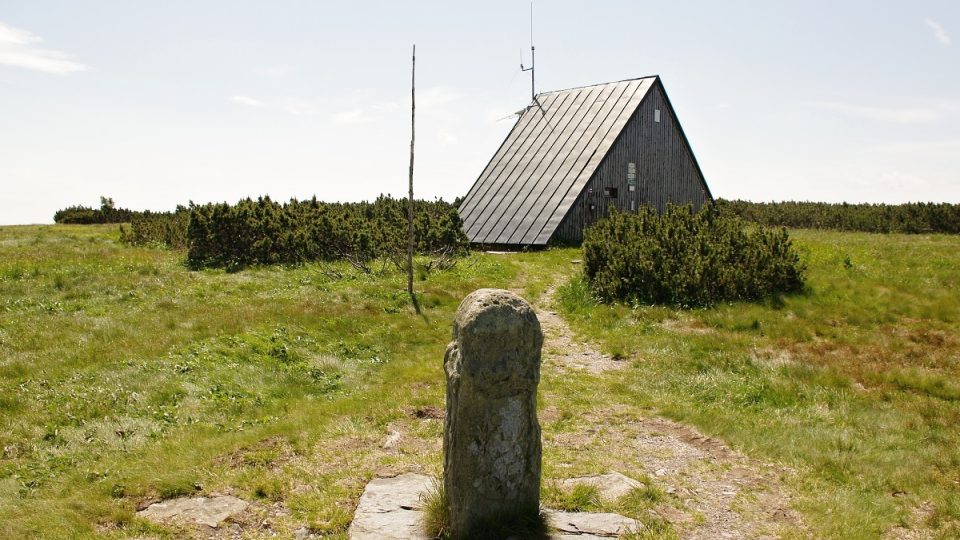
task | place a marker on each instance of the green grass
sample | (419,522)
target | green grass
(436,519)
(853,383)
(582,498)
(126,378)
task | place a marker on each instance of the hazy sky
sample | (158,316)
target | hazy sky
(160,103)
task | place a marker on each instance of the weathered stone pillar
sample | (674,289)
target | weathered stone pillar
(491,440)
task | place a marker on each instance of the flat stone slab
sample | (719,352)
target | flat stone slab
(209,511)
(610,486)
(590,524)
(391,509)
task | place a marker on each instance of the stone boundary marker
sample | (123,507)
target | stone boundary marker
(491,440)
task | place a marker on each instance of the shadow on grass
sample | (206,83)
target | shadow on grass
(416,306)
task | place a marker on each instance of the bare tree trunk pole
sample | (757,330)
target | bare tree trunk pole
(413,110)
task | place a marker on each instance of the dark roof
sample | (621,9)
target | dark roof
(549,156)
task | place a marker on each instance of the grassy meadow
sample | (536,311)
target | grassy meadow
(126,378)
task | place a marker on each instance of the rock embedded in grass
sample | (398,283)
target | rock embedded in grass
(389,509)
(610,486)
(587,525)
(209,511)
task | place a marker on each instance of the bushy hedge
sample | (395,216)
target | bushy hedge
(166,229)
(84,215)
(688,258)
(263,231)
(877,218)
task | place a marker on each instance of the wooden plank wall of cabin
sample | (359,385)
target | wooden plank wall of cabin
(668,171)
(593,203)
(665,167)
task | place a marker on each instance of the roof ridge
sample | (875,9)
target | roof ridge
(598,84)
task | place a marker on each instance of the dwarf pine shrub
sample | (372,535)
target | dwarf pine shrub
(165,229)
(85,215)
(910,218)
(264,231)
(687,258)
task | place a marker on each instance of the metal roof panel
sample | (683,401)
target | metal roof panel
(546,160)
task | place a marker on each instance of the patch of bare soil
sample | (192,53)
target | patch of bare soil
(428,412)
(712,491)
(272,452)
(560,350)
(686,326)
(722,494)
(257,520)
(916,530)
(772,358)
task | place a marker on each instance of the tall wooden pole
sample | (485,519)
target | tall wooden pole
(413,110)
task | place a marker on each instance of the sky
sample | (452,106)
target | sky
(161,103)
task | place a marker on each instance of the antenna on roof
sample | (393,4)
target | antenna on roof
(533,87)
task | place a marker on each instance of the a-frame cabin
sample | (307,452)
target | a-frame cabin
(575,153)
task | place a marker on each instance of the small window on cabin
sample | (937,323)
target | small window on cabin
(656,115)
(610,192)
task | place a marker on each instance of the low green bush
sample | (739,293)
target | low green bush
(687,258)
(84,215)
(263,231)
(912,218)
(165,229)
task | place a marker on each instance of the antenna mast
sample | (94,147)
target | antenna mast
(533,61)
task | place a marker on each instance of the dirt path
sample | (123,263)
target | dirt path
(562,352)
(713,491)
